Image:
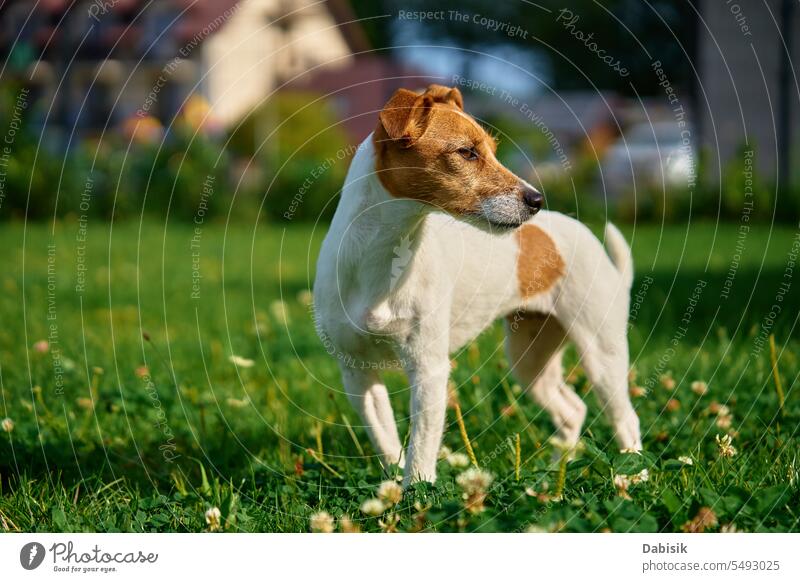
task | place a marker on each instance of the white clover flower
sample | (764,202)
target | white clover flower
(305,297)
(444,452)
(238,403)
(373,507)
(390,493)
(719,409)
(699,387)
(458,460)
(474,480)
(724,422)
(279,311)
(726,449)
(624,482)
(241,362)
(686,460)
(7,424)
(347,526)
(213,517)
(321,522)
(637,391)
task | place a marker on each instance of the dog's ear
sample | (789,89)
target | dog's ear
(446,95)
(406,116)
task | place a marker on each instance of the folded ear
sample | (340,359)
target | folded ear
(446,95)
(406,116)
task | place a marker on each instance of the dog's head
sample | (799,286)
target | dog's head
(429,150)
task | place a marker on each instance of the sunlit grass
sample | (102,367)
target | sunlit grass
(154,416)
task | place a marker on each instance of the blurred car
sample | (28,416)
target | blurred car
(650,155)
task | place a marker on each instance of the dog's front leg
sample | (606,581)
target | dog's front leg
(368,395)
(428,369)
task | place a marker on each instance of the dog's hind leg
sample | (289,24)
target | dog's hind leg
(604,355)
(535,344)
(368,395)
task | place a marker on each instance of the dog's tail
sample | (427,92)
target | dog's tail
(620,253)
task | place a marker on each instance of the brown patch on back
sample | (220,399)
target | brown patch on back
(539,264)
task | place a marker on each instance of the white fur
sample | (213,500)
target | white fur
(400,283)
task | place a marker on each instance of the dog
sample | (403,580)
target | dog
(432,241)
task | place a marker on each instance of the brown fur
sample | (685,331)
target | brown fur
(420,144)
(539,264)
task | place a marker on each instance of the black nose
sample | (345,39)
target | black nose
(533,199)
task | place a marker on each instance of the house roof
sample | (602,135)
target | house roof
(361,88)
(199,18)
(203,15)
(346,19)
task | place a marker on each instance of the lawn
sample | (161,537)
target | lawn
(127,414)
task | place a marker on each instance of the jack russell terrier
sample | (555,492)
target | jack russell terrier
(399,281)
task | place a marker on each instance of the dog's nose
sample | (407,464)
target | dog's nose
(533,199)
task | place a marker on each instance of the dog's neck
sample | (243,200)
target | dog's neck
(379,232)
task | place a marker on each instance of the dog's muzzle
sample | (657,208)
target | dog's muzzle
(511,210)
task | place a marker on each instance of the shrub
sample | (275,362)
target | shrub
(297,139)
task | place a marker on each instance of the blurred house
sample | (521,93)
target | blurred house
(747,89)
(360,89)
(94,64)
(579,120)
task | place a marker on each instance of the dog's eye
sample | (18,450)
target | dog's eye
(468,154)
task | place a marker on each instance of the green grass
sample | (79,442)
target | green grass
(104,450)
